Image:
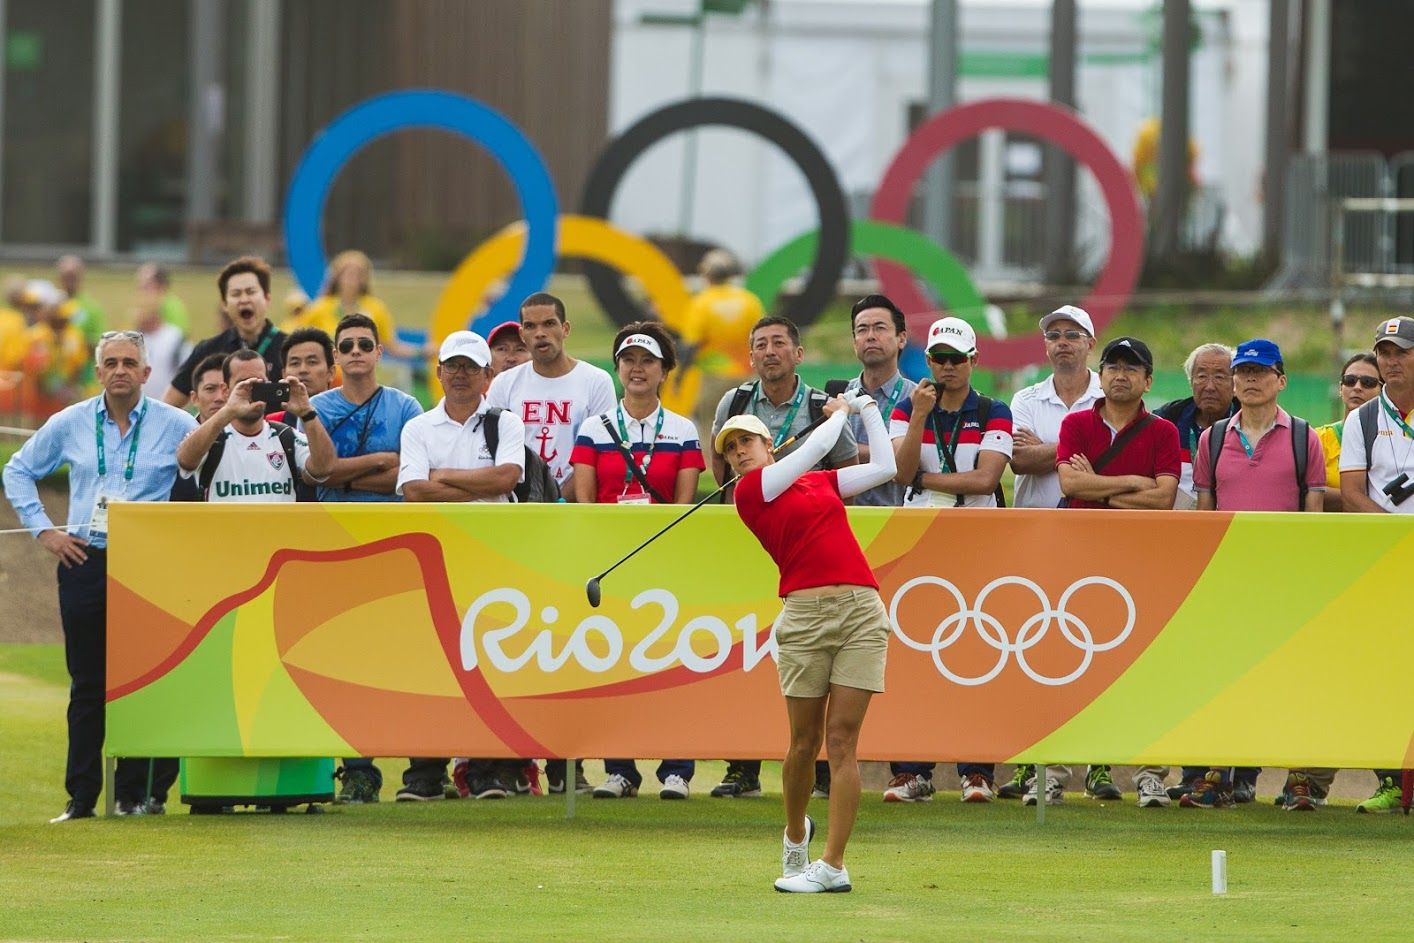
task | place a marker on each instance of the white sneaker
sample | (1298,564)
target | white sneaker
(817,878)
(674,787)
(616,786)
(909,787)
(796,858)
(1055,792)
(1152,794)
(975,788)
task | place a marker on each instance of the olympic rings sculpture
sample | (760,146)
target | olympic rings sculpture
(990,629)
(545,235)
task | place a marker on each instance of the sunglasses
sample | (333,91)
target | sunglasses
(954,359)
(1071,335)
(365,344)
(1351,379)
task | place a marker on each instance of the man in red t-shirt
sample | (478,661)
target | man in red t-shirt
(1142,472)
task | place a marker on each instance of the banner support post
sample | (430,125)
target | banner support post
(110,803)
(1042,794)
(570,779)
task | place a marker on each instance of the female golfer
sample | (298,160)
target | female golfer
(833,632)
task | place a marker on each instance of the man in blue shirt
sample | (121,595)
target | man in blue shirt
(880,333)
(366,422)
(119,446)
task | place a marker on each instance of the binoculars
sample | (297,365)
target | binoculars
(1399,490)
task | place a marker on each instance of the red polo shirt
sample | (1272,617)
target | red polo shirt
(1153,452)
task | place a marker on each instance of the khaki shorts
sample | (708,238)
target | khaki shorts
(837,639)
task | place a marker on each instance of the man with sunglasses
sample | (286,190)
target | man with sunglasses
(1209,372)
(119,446)
(951,445)
(365,421)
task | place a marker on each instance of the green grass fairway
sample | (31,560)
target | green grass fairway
(649,870)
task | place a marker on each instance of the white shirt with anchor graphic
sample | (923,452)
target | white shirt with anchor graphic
(553,408)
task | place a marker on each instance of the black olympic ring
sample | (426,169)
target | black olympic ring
(614,162)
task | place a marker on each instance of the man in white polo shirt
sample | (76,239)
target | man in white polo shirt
(444,456)
(1036,414)
(237,456)
(554,393)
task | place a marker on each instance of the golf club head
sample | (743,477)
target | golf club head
(591,589)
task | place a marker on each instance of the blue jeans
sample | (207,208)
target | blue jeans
(987,770)
(628,769)
(917,769)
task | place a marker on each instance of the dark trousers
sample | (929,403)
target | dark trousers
(752,768)
(424,769)
(628,769)
(987,770)
(917,769)
(83,610)
(555,769)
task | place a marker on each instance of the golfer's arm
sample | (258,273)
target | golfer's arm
(860,478)
(780,475)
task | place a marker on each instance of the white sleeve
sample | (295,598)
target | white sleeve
(780,475)
(301,451)
(1021,412)
(601,396)
(1353,459)
(857,479)
(412,456)
(496,394)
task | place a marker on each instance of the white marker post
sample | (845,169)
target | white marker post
(1219,872)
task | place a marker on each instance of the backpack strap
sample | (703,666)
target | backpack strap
(287,442)
(1121,441)
(491,428)
(1370,428)
(1217,434)
(741,399)
(815,403)
(984,413)
(208,465)
(1300,442)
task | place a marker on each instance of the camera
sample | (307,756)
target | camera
(1399,490)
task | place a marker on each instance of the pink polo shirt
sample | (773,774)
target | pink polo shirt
(1267,480)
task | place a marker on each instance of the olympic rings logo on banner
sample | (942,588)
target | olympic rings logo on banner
(990,629)
(527,251)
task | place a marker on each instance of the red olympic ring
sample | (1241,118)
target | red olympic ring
(1050,122)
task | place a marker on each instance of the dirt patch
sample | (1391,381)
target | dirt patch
(30,612)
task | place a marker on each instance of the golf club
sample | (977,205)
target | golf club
(591,588)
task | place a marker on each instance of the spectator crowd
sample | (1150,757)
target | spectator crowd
(260,413)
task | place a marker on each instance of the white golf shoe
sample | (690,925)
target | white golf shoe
(796,858)
(817,878)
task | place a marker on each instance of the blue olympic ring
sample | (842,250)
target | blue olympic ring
(347,134)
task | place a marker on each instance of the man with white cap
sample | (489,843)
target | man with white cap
(445,457)
(951,445)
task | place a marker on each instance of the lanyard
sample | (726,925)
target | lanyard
(784,432)
(946,460)
(132,446)
(266,336)
(628,446)
(893,397)
(1396,418)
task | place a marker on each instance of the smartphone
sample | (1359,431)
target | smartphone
(273,395)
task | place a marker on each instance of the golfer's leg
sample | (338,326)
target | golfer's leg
(807,733)
(843,718)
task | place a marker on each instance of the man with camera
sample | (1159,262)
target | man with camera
(254,460)
(1376,464)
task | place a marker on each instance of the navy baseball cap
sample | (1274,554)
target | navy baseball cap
(1260,351)
(1127,348)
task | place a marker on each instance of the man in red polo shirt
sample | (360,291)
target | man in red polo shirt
(1119,455)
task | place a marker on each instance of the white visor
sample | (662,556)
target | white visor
(640,340)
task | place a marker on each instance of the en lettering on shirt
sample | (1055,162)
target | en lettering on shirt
(553,408)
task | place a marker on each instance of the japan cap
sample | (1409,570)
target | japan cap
(1070,313)
(640,340)
(744,422)
(955,333)
(465,344)
(1398,331)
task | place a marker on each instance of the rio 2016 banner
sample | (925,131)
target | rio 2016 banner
(1040,636)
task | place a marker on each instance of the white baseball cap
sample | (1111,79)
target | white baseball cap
(465,344)
(1070,313)
(955,333)
(640,340)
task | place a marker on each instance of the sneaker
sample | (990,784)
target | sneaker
(1020,781)
(1385,799)
(1151,792)
(154,807)
(74,810)
(125,808)
(1055,792)
(1244,792)
(1100,785)
(737,785)
(556,787)
(459,778)
(817,878)
(423,790)
(1298,794)
(909,787)
(1182,788)
(976,788)
(528,782)
(1208,793)
(356,786)
(487,789)
(796,858)
(674,787)
(616,787)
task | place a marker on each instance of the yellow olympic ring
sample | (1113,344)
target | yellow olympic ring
(580,236)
